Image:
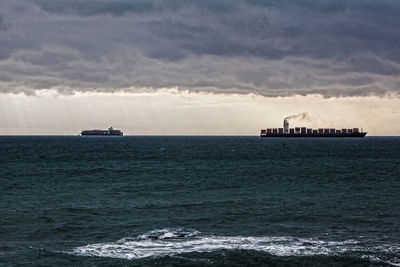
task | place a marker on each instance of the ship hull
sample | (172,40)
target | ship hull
(93,134)
(109,132)
(305,135)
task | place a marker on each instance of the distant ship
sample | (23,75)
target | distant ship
(308,132)
(109,132)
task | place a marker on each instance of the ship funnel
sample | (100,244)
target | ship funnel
(285,126)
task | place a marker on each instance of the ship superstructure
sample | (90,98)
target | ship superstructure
(308,132)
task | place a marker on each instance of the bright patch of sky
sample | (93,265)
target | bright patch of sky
(170,112)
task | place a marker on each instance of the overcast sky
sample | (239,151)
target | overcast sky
(332,48)
(275,47)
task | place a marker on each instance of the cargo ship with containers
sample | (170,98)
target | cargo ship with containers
(308,132)
(109,132)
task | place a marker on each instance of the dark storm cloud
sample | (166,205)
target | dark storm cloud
(3,25)
(273,48)
(95,7)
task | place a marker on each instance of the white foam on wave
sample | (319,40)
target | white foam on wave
(177,241)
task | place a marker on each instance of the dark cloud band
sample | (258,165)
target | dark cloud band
(273,48)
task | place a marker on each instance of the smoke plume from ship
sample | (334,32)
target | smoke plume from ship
(300,116)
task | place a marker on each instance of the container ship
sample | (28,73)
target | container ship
(109,132)
(308,132)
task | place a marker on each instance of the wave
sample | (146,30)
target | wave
(170,242)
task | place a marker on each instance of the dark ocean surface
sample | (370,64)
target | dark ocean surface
(199,201)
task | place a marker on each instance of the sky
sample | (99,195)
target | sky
(209,67)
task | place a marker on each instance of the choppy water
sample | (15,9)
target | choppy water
(199,201)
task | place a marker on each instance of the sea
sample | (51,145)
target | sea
(199,201)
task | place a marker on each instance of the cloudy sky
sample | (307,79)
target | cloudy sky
(203,66)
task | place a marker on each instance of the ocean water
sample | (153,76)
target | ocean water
(199,201)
